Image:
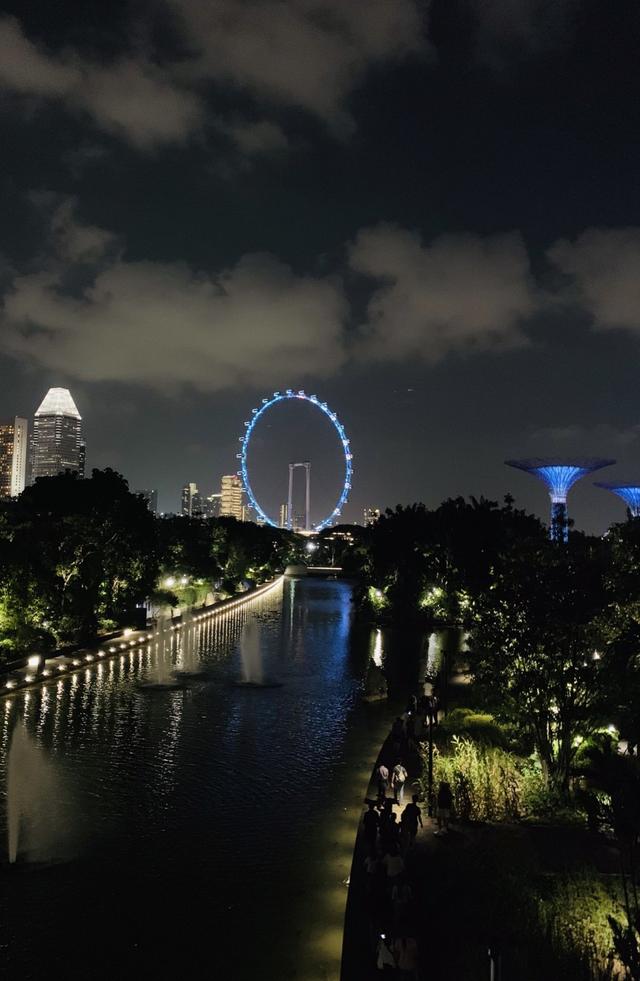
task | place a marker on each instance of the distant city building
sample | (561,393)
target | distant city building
(151,497)
(210,506)
(57,444)
(13,457)
(191,501)
(371,515)
(214,502)
(232,497)
(284,516)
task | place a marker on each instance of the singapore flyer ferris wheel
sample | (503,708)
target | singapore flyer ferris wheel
(243,457)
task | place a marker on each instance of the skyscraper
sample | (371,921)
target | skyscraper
(232,497)
(284,516)
(210,506)
(57,436)
(151,497)
(13,457)
(191,501)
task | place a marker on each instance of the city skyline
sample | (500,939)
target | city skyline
(60,401)
(431,217)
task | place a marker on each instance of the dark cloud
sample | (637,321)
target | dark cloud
(164,325)
(131,99)
(305,53)
(505,30)
(602,266)
(459,293)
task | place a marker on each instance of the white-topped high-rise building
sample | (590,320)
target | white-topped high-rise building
(58,445)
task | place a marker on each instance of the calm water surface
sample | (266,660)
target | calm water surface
(174,840)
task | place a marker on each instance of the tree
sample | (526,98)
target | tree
(78,553)
(435,560)
(534,633)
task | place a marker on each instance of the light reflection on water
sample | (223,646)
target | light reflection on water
(195,803)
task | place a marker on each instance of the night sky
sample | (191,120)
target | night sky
(426,213)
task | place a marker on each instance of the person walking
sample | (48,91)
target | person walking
(385,961)
(397,735)
(411,818)
(431,710)
(383,781)
(398,779)
(401,899)
(444,805)
(393,864)
(406,955)
(371,822)
(389,833)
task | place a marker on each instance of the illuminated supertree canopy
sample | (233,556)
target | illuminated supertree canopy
(268,403)
(559,475)
(629,492)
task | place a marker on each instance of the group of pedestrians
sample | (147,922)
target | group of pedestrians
(389,893)
(394,780)
(390,829)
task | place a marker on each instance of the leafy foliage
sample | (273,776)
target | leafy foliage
(75,553)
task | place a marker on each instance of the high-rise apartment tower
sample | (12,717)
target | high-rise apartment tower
(13,457)
(191,501)
(232,497)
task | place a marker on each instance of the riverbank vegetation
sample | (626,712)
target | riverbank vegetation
(78,557)
(545,729)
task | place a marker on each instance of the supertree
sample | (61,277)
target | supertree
(630,494)
(559,475)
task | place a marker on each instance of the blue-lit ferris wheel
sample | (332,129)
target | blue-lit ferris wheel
(344,443)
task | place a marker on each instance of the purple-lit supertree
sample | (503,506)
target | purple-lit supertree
(630,494)
(559,476)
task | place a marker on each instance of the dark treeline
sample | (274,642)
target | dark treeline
(554,629)
(80,556)
(547,727)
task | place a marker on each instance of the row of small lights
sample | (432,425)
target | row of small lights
(35,661)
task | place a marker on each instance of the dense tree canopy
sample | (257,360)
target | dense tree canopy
(537,633)
(76,553)
(80,555)
(432,560)
(554,627)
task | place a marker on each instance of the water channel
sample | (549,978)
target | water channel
(207,829)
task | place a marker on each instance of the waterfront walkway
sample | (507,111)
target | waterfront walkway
(370,911)
(367,914)
(41,669)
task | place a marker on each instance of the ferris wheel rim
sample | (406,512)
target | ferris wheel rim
(245,440)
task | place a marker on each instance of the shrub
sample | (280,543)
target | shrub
(487,782)
(479,726)
(492,784)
